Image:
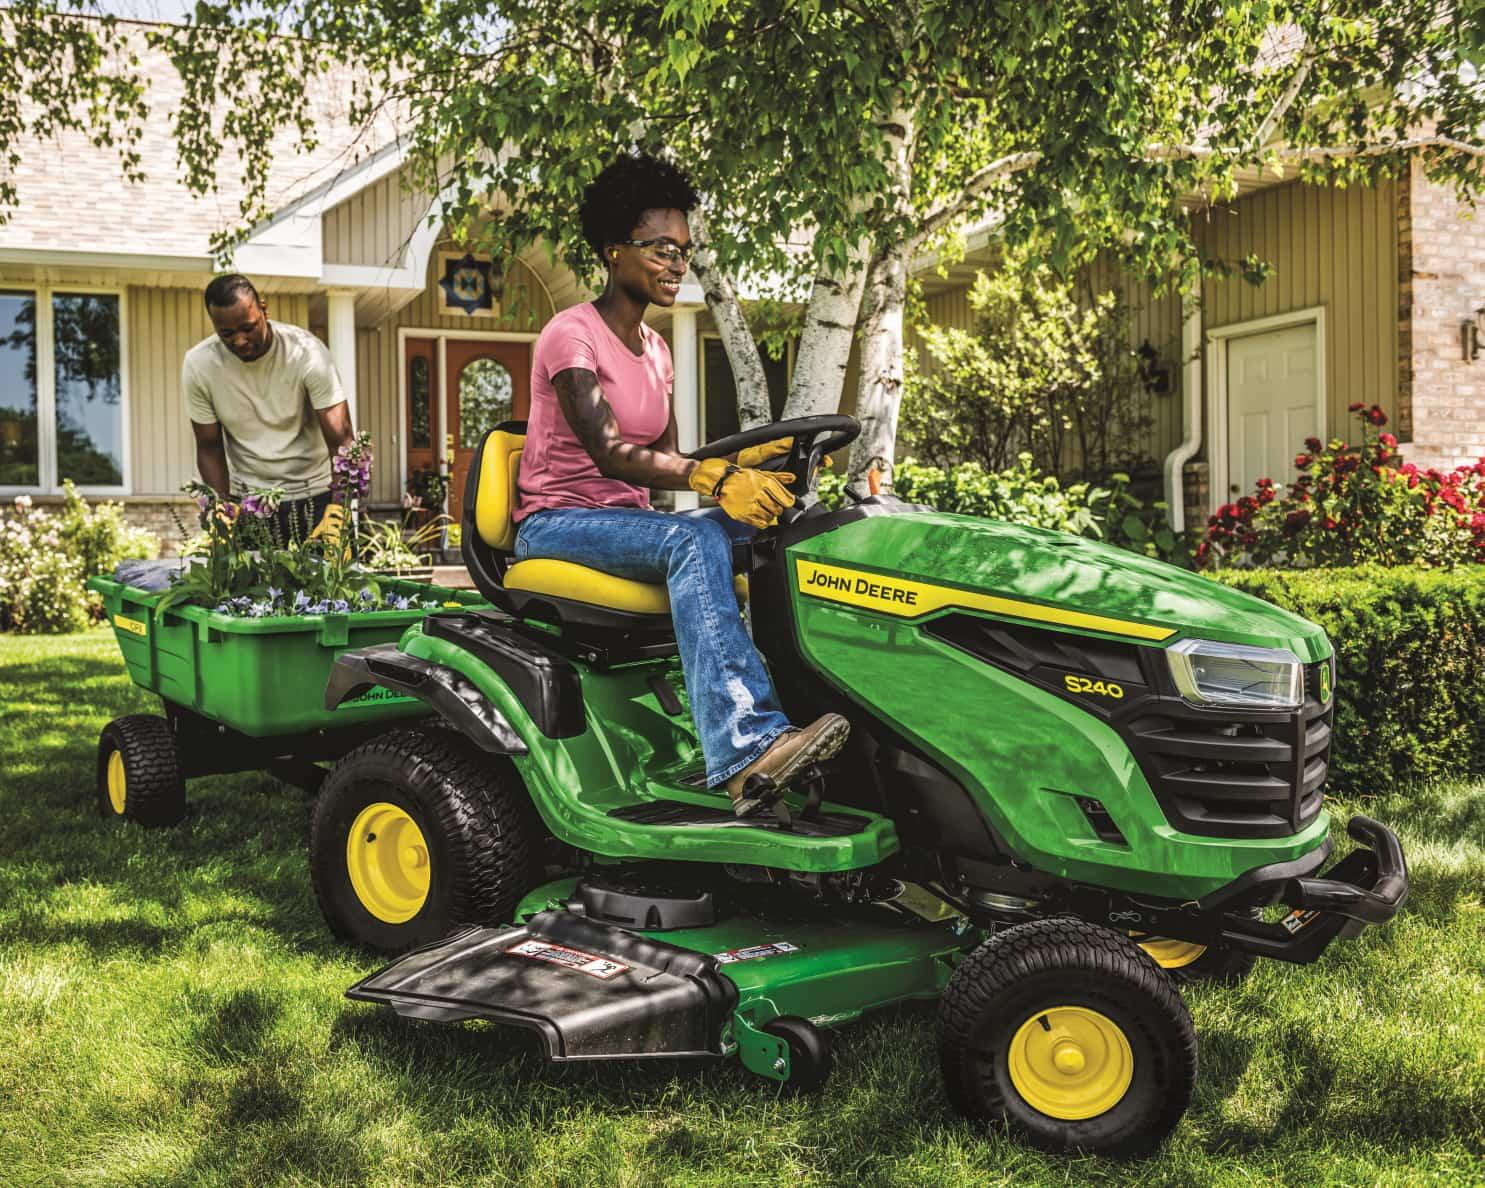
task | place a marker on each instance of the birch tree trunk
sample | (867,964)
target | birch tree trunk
(879,389)
(824,349)
(753,407)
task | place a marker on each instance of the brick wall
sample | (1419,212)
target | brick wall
(1443,287)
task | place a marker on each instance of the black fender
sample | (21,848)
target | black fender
(451,694)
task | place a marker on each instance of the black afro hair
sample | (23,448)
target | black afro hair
(634,183)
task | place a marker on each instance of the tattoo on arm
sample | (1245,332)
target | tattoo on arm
(581,398)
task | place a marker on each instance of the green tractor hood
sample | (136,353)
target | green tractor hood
(913,563)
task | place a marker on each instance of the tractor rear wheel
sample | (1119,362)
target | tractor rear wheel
(415,834)
(139,777)
(1069,1033)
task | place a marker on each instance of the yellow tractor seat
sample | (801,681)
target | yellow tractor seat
(559,591)
(564,579)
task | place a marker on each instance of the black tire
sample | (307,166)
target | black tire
(153,791)
(810,1057)
(1027,974)
(475,818)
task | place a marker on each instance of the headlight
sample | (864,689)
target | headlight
(1211,673)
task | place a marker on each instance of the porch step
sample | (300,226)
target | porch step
(454,576)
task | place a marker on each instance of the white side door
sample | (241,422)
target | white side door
(1273,404)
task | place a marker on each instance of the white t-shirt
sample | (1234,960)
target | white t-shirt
(267,408)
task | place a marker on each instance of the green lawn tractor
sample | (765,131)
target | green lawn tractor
(1076,778)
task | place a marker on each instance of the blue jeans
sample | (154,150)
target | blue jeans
(733,701)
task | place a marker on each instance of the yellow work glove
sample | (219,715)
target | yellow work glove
(330,524)
(749,496)
(759,454)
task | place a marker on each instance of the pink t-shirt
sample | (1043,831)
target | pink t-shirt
(556,470)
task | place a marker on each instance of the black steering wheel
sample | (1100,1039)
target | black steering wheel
(814,437)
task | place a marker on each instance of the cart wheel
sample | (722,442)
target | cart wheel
(415,834)
(1067,1031)
(1188,962)
(139,775)
(810,1058)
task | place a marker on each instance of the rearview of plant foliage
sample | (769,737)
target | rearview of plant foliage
(1037,414)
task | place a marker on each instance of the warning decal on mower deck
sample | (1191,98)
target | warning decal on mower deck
(589,963)
(752,951)
(904,598)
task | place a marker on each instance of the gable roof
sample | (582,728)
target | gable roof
(71,192)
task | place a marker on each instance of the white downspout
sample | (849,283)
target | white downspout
(1191,393)
(686,394)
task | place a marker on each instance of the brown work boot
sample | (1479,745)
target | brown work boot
(791,753)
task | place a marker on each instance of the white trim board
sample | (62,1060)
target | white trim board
(1217,338)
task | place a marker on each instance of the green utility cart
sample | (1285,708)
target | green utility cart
(241,694)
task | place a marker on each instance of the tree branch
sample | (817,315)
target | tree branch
(940,217)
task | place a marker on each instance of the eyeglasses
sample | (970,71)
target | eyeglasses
(664,251)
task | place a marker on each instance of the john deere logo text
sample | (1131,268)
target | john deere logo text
(132,626)
(1324,682)
(861,586)
(909,599)
(1077,684)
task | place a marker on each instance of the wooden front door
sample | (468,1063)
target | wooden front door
(486,383)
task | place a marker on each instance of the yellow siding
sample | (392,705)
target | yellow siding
(373,226)
(1335,248)
(163,324)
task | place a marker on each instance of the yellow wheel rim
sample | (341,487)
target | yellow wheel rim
(1172,954)
(116,782)
(387,859)
(1071,1063)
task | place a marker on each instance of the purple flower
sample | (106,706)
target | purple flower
(340,606)
(301,602)
(274,594)
(366,595)
(400,601)
(318,608)
(252,506)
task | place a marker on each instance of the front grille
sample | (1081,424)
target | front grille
(1215,772)
(1227,774)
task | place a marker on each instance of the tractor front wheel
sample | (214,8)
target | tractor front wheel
(416,833)
(1068,1032)
(139,777)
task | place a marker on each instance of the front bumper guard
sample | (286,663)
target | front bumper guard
(1367,886)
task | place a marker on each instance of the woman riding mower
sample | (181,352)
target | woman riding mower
(602,430)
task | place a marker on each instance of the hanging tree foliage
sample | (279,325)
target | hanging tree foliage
(835,142)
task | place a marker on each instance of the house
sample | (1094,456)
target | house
(101,281)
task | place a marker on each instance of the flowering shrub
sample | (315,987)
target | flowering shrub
(1351,505)
(45,557)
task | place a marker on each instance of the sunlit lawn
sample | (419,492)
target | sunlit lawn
(171,1012)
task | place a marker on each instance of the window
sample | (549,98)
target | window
(421,405)
(62,390)
(721,392)
(485,395)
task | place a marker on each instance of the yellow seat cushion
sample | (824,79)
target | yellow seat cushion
(495,498)
(564,579)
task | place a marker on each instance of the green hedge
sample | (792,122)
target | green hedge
(1410,651)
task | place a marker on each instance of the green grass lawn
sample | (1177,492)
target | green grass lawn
(171,1012)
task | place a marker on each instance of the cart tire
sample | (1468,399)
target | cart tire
(139,776)
(810,1057)
(415,834)
(1070,1033)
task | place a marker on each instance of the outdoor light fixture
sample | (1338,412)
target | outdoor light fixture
(1154,374)
(1469,334)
